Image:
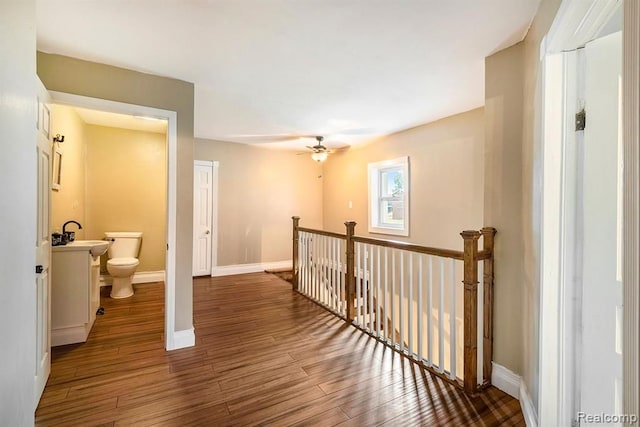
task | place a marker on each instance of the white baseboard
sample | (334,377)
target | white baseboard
(506,380)
(70,335)
(513,384)
(138,277)
(181,339)
(528,411)
(229,270)
(148,277)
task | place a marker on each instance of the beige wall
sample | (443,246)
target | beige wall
(112,180)
(259,190)
(503,197)
(126,188)
(446,187)
(512,191)
(75,76)
(68,203)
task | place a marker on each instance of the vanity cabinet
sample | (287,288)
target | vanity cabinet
(75,294)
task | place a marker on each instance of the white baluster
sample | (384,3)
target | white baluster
(358,290)
(441,318)
(365,285)
(452,319)
(378,300)
(385,326)
(336,283)
(303,270)
(410,304)
(339,276)
(420,311)
(371,288)
(393,296)
(401,319)
(480,322)
(316,268)
(430,311)
(323,271)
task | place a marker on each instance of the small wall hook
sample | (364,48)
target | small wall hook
(58,138)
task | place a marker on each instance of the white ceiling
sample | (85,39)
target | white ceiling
(327,67)
(122,121)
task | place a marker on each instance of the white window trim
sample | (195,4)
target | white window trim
(374,201)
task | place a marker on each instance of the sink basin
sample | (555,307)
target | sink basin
(98,247)
(95,247)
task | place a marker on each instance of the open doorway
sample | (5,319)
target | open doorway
(172,341)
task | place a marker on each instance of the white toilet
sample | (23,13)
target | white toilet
(123,261)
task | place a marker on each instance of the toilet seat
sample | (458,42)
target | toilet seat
(123,262)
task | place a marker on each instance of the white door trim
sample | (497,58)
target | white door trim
(576,23)
(214,165)
(631,208)
(172,157)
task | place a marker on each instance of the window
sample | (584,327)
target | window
(389,197)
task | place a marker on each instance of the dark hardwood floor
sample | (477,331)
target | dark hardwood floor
(264,355)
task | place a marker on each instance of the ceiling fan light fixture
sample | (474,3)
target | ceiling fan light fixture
(319,156)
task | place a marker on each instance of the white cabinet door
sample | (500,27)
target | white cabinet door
(43,243)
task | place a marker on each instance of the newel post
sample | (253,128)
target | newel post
(296,221)
(488,234)
(350,282)
(470,310)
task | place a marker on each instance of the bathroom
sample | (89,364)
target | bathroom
(111,176)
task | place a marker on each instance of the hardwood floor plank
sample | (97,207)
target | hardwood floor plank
(264,355)
(329,418)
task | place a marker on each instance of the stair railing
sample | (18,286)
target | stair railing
(426,303)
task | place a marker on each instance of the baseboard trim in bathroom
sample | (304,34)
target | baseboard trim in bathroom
(229,270)
(138,277)
(182,339)
(70,335)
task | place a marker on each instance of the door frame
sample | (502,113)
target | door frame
(171,342)
(213,208)
(577,22)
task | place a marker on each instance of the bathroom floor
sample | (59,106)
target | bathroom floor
(263,355)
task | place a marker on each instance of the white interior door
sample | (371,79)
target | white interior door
(203,218)
(601,314)
(43,243)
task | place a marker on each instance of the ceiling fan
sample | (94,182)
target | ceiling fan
(319,151)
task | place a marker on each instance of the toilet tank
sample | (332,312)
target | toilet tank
(125,244)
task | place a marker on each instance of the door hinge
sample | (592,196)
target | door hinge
(39,269)
(581,120)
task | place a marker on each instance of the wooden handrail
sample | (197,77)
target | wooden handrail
(322,233)
(445,253)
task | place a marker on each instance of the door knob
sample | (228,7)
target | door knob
(207,232)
